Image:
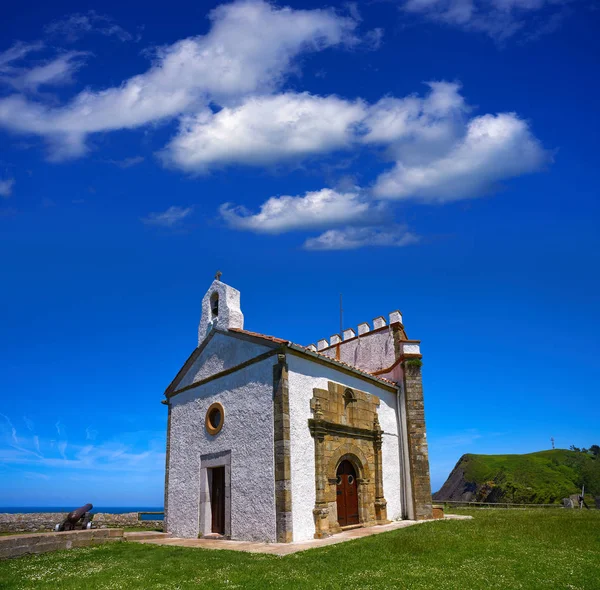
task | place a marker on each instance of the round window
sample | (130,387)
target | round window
(215,416)
(350,479)
(338,480)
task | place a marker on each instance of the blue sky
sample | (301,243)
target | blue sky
(436,156)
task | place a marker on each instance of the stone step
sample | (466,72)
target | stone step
(145,535)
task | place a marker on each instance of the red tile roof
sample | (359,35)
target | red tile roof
(262,336)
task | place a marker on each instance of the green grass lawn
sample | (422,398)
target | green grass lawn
(498,549)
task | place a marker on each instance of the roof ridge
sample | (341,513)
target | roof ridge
(259,335)
(324,356)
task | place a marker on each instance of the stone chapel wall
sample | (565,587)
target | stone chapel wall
(304,376)
(247,433)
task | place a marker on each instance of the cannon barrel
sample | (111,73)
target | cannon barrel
(75,515)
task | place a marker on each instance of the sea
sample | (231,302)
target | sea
(106,509)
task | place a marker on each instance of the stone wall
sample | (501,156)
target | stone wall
(417,441)
(345,425)
(46,521)
(104,520)
(304,377)
(17,545)
(283,469)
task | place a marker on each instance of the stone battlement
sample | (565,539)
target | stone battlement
(372,347)
(395,317)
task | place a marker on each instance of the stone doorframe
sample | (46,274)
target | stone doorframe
(222,459)
(342,434)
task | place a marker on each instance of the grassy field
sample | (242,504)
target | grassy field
(498,549)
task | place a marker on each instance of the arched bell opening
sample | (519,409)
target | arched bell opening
(214,306)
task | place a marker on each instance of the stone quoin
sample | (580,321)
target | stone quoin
(271,441)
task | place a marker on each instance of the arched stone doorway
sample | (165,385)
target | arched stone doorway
(352,442)
(352,453)
(346,494)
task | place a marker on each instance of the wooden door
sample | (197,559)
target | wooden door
(217,500)
(347,494)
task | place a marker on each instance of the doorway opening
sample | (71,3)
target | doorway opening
(216,483)
(215,497)
(346,494)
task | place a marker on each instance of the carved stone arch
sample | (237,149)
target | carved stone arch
(340,434)
(349,395)
(355,462)
(352,453)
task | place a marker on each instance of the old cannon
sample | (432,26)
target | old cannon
(76,520)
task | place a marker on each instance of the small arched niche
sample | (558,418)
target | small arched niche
(349,396)
(349,405)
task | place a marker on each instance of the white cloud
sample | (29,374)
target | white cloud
(222,86)
(500,19)
(494,148)
(62,448)
(59,428)
(127,162)
(90,434)
(8,436)
(322,208)
(170,218)
(439,154)
(265,129)
(6,187)
(16,53)
(392,119)
(250,47)
(74,26)
(352,238)
(417,129)
(54,72)
(45,72)
(132,453)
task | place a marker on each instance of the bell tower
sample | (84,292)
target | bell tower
(220,309)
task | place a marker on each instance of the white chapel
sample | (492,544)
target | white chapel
(268,440)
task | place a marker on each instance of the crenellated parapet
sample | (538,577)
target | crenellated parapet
(378,323)
(371,346)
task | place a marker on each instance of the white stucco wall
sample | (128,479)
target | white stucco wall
(247,398)
(305,375)
(221,353)
(372,351)
(230,314)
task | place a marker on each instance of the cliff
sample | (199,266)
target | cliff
(544,477)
